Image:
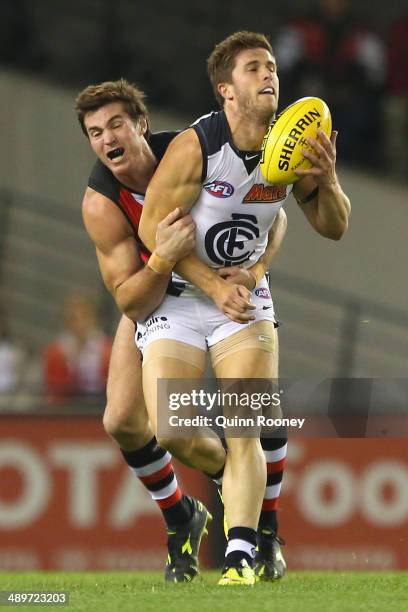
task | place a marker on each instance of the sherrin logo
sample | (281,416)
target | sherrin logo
(288,136)
(219,189)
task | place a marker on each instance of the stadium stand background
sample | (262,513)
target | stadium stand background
(343,305)
(51,50)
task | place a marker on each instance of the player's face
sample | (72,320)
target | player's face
(254,88)
(114,136)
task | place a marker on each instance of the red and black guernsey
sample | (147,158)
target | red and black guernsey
(130,202)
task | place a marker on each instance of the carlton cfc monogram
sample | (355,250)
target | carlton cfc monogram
(225,241)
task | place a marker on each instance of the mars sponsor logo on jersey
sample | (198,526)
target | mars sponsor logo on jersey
(262,292)
(226,242)
(265,194)
(219,189)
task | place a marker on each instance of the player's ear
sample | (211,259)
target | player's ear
(142,124)
(225,90)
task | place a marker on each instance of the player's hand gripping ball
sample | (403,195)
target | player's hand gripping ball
(286,137)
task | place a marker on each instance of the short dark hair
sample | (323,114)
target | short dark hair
(221,62)
(94,97)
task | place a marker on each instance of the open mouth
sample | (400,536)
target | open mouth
(267,91)
(115,153)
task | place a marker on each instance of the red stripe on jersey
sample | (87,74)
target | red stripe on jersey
(157,475)
(170,501)
(133,209)
(276,466)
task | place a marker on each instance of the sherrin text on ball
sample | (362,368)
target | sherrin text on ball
(287,137)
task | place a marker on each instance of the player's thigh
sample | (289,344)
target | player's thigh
(124,391)
(168,359)
(246,366)
(252,352)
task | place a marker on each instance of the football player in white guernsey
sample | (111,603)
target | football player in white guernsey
(217,157)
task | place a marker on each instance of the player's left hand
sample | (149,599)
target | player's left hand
(322,158)
(238,276)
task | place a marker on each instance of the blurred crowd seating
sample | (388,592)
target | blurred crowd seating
(69,372)
(332,54)
(76,362)
(352,54)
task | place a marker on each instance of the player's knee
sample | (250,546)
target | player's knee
(124,421)
(112,423)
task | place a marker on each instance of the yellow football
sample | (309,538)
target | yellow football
(286,137)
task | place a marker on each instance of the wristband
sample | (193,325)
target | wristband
(160,265)
(257,272)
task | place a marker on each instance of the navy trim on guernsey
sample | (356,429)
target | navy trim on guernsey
(213,132)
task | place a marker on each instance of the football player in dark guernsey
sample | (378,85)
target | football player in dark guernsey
(114,118)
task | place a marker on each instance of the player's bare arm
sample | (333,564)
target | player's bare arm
(137,290)
(250,277)
(177,183)
(329,208)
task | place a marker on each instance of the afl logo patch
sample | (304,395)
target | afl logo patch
(263,293)
(219,189)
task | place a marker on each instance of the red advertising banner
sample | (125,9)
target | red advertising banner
(345,504)
(69,502)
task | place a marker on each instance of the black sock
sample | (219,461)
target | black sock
(275,453)
(178,514)
(241,545)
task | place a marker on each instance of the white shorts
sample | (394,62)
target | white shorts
(195,319)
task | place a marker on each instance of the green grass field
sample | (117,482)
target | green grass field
(297,592)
